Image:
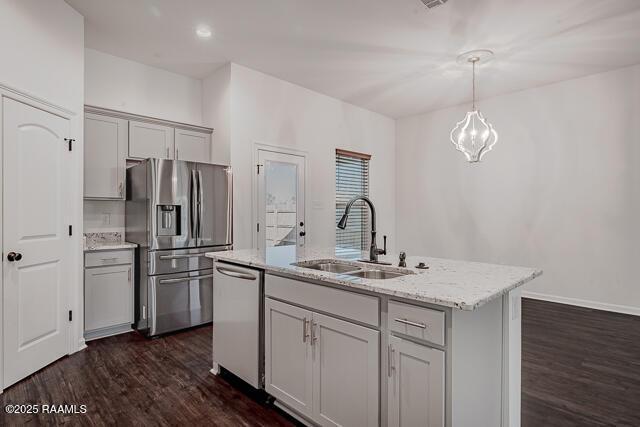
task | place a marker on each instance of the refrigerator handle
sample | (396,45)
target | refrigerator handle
(193,213)
(200,203)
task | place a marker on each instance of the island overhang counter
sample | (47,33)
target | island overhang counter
(435,346)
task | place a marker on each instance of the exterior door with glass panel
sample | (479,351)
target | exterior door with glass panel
(280,199)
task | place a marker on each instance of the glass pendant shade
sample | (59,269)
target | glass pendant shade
(474,136)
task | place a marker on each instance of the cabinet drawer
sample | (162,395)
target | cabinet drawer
(350,305)
(102,258)
(419,322)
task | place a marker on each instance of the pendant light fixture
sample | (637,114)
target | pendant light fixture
(474,136)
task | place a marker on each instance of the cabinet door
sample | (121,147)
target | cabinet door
(193,146)
(288,361)
(416,384)
(105,148)
(150,140)
(345,373)
(107,297)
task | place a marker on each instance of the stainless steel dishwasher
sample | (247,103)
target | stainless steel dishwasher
(237,321)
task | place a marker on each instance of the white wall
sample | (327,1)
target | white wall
(125,85)
(560,190)
(102,216)
(216,112)
(267,110)
(42,45)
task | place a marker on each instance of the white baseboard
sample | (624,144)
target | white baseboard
(625,309)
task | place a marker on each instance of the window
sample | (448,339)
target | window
(352,179)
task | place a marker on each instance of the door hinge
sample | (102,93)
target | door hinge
(70,315)
(70,142)
(70,230)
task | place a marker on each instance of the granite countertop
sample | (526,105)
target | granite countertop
(109,246)
(106,241)
(451,283)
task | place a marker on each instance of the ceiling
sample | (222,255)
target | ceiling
(395,57)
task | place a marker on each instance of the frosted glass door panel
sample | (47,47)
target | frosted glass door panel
(280,200)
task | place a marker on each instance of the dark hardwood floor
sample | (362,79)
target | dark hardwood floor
(129,380)
(580,367)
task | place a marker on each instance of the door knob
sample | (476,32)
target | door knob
(14,256)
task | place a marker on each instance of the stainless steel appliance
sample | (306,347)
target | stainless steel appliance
(237,315)
(176,211)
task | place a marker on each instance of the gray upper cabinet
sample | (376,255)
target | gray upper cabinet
(193,146)
(105,150)
(150,140)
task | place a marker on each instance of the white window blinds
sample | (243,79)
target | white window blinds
(352,179)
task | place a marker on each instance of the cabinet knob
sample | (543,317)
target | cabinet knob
(303,233)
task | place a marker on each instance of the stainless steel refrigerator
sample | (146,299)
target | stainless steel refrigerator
(176,211)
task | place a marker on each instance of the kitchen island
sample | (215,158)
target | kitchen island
(345,342)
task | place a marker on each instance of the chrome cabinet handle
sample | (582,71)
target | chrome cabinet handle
(236,274)
(314,337)
(390,357)
(186,279)
(305,324)
(194,204)
(182,256)
(168,155)
(121,189)
(109,259)
(200,203)
(410,323)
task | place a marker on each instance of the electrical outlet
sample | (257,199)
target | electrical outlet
(106,218)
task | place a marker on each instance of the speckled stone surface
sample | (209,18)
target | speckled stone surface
(106,241)
(451,283)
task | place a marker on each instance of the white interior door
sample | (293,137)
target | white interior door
(281,184)
(36,212)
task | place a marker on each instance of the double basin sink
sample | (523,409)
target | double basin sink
(348,269)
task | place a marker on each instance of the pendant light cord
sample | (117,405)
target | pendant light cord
(473,84)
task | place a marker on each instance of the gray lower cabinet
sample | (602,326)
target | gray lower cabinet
(308,356)
(416,386)
(345,373)
(108,295)
(288,360)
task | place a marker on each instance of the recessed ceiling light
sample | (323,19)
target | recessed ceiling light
(203,32)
